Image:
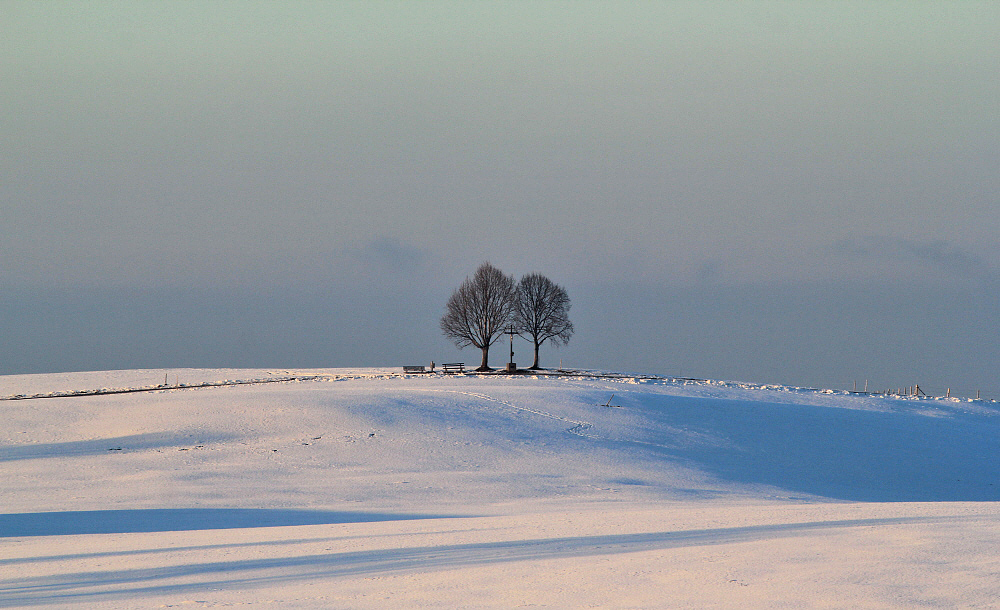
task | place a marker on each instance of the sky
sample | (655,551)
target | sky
(781,192)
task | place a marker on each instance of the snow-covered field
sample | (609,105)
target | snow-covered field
(371,489)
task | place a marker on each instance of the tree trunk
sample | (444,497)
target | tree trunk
(485,366)
(534,365)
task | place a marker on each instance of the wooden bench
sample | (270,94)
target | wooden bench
(453,367)
(414,369)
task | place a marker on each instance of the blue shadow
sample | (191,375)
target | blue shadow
(104,585)
(101,446)
(179,520)
(844,454)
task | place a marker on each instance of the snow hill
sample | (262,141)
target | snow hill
(370,488)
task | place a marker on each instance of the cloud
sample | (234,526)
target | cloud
(946,257)
(939,255)
(709,271)
(391,252)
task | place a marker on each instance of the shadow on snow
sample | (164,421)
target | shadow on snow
(846,454)
(177,520)
(102,446)
(241,574)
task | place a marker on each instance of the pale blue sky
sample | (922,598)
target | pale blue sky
(799,192)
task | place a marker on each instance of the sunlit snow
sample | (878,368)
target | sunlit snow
(368,488)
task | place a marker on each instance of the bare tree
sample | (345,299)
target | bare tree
(541,312)
(479,311)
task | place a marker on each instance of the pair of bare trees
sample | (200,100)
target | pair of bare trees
(489,303)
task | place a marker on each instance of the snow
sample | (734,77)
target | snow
(367,488)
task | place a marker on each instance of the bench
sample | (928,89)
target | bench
(413,369)
(453,367)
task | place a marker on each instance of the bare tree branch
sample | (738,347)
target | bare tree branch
(478,312)
(541,312)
